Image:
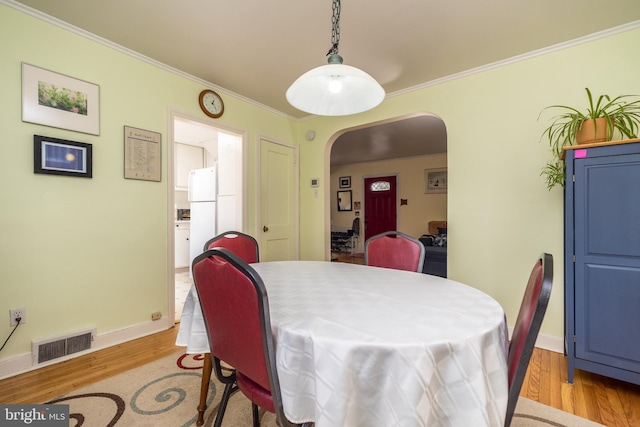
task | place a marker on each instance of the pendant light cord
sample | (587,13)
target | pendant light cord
(335,32)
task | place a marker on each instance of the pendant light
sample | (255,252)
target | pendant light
(335,89)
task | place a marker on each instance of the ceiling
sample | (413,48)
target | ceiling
(406,137)
(256,48)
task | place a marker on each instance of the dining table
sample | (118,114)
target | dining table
(365,346)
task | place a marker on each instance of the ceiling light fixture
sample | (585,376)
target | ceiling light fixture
(335,89)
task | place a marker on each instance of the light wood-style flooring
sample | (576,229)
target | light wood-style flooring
(606,401)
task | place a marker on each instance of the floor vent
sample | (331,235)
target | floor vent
(53,348)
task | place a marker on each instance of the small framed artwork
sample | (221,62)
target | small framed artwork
(55,156)
(59,101)
(435,180)
(345,182)
(142,154)
(344,200)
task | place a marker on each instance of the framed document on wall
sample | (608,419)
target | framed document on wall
(142,154)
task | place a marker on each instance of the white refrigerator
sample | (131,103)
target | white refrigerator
(202,198)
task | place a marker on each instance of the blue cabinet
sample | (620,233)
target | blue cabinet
(602,259)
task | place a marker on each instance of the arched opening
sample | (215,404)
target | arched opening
(407,149)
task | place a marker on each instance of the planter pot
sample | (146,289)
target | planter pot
(593,130)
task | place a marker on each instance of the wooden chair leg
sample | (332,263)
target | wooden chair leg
(204,387)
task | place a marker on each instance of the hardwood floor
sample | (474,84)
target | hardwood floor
(51,381)
(603,400)
(357,258)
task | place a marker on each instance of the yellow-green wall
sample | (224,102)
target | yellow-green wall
(501,216)
(79,253)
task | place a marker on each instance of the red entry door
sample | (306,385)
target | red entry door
(379,205)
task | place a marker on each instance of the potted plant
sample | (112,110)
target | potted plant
(598,123)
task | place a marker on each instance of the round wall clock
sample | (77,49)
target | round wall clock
(211,103)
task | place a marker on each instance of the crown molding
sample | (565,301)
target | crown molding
(523,57)
(108,43)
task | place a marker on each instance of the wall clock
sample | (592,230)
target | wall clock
(211,103)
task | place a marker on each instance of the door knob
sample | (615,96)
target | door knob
(265,228)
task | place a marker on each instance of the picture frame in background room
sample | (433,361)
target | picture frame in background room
(59,101)
(344,200)
(142,154)
(54,156)
(435,180)
(345,182)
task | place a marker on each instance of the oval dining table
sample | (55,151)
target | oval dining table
(368,346)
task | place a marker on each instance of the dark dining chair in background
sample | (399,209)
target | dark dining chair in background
(235,308)
(245,247)
(393,249)
(525,332)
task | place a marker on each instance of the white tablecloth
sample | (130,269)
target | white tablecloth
(372,347)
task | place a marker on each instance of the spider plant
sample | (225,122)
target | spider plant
(620,115)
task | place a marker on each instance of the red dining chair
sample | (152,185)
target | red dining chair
(245,247)
(235,308)
(525,332)
(393,249)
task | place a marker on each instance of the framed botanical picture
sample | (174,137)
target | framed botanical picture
(435,180)
(344,200)
(55,156)
(59,101)
(345,182)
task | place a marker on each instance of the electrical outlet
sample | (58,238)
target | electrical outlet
(156,316)
(14,313)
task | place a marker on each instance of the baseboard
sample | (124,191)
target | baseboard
(22,363)
(546,342)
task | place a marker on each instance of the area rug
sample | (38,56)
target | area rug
(167,392)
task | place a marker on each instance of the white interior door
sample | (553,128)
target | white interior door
(278,202)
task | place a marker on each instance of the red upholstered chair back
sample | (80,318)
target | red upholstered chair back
(236,314)
(243,245)
(235,307)
(525,332)
(396,250)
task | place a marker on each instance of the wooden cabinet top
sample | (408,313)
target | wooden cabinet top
(601,144)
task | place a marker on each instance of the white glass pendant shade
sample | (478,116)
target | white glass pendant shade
(335,90)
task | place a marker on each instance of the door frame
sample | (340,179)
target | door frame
(296,192)
(172,114)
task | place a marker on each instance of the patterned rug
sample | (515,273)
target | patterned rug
(167,392)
